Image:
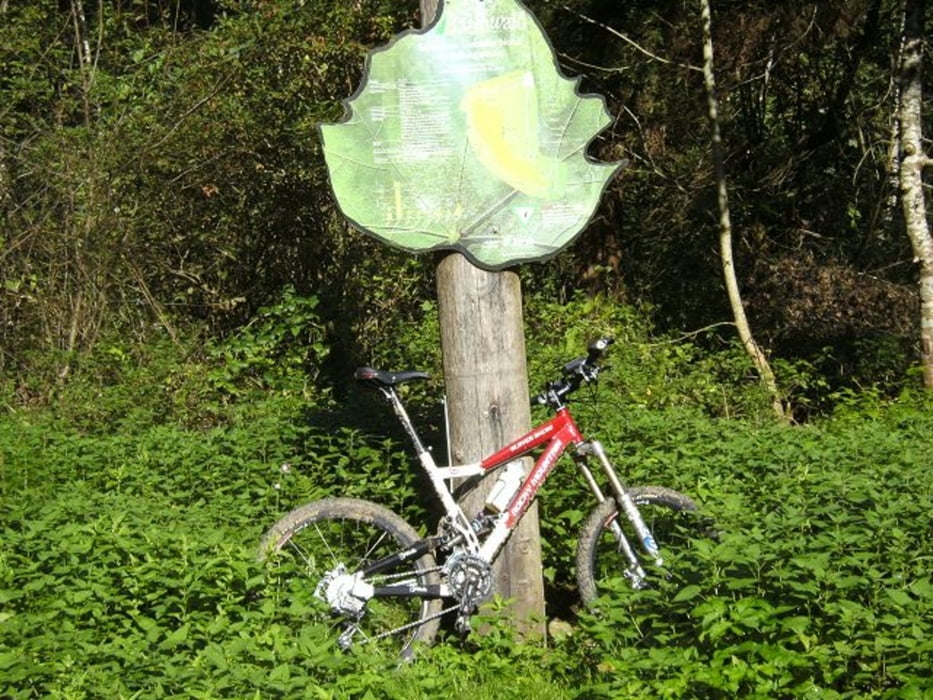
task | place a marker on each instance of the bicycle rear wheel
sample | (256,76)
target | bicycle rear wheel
(671,517)
(317,541)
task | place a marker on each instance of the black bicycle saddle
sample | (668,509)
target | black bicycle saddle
(383,380)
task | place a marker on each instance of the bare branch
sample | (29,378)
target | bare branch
(912,163)
(631,42)
(589,66)
(691,335)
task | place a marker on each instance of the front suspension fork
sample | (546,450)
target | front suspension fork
(627,505)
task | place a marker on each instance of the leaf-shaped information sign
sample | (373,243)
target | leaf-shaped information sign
(467,136)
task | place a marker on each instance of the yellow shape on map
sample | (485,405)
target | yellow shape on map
(502,128)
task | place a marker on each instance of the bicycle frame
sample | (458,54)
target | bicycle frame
(555,435)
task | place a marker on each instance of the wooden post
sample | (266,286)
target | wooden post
(483,341)
(428,11)
(482,336)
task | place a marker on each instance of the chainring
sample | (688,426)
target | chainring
(470,579)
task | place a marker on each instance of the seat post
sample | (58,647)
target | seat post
(393,398)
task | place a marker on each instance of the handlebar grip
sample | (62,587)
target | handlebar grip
(597,348)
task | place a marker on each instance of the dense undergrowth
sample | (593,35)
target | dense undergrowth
(132,506)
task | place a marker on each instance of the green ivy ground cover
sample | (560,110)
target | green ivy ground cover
(126,567)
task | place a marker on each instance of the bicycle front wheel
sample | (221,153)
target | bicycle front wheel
(339,537)
(671,517)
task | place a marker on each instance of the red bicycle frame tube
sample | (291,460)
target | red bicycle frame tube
(558,433)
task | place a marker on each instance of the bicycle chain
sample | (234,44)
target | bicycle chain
(412,625)
(468,600)
(417,623)
(385,578)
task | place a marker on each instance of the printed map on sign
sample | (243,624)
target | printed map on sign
(466,136)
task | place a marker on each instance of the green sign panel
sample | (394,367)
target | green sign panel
(466,136)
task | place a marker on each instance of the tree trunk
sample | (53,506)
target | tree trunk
(754,351)
(913,160)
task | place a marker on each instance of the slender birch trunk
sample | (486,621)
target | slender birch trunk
(754,350)
(913,161)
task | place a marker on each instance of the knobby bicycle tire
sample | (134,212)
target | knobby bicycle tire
(671,517)
(311,540)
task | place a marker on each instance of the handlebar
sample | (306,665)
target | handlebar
(578,371)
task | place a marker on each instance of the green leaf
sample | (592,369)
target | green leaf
(899,597)
(280,673)
(175,638)
(8,659)
(798,624)
(687,593)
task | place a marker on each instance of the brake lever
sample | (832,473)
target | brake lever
(574,366)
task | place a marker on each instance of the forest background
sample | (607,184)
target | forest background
(181,306)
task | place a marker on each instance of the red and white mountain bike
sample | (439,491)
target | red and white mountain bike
(360,567)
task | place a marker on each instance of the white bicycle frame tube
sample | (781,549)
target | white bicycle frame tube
(490,546)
